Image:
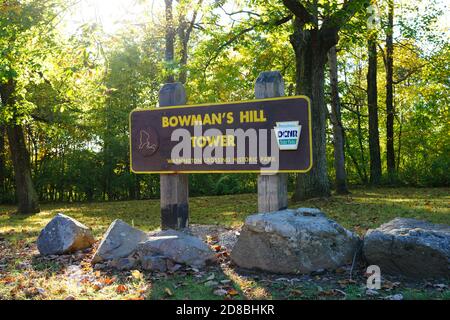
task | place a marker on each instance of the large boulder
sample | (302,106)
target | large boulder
(119,241)
(176,246)
(409,247)
(293,241)
(62,235)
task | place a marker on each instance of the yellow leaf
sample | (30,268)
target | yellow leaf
(136,274)
(233,292)
(168,291)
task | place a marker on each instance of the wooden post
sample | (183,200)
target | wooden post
(272,188)
(174,188)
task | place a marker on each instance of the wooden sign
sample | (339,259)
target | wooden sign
(265,135)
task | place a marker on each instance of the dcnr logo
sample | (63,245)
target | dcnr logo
(288,135)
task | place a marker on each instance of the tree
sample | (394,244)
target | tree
(390,112)
(316,26)
(169,55)
(372,102)
(336,121)
(22,31)
(185,28)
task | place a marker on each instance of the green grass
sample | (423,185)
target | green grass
(359,211)
(363,209)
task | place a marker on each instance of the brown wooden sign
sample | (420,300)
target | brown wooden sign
(264,135)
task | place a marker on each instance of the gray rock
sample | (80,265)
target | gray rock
(119,241)
(178,247)
(409,247)
(123,263)
(396,297)
(293,241)
(62,235)
(154,263)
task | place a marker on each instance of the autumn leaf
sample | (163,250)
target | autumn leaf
(121,288)
(107,281)
(211,239)
(233,292)
(296,292)
(168,292)
(136,274)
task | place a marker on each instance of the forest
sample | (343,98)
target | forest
(377,72)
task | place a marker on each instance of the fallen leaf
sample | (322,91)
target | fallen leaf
(121,288)
(137,274)
(233,292)
(296,292)
(107,281)
(211,239)
(168,292)
(96,287)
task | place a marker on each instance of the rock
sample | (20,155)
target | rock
(178,247)
(220,292)
(123,263)
(119,241)
(100,266)
(154,263)
(62,235)
(396,297)
(409,247)
(211,283)
(172,266)
(372,293)
(293,241)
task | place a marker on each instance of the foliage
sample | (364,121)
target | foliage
(74,91)
(27,276)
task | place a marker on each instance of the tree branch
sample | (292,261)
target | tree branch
(341,16)
(298,10)
(241,33)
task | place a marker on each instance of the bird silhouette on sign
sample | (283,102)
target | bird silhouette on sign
(145,142)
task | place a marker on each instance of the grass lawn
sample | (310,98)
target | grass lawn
(25,275)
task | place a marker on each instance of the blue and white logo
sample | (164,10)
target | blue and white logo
(288,134)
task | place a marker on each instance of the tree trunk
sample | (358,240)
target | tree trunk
(338,130)
(361,143)
(26,194)
(372,102)
(390,153)
(310,57)
(2,164)
(170,42)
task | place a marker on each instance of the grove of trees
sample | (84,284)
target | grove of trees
(377,73)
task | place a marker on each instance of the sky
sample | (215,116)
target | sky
(117,14)
(114,15)
(111,14)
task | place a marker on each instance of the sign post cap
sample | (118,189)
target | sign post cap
(172,94)
(269,84)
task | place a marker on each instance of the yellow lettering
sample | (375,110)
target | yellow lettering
(165,122)
(230,118)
